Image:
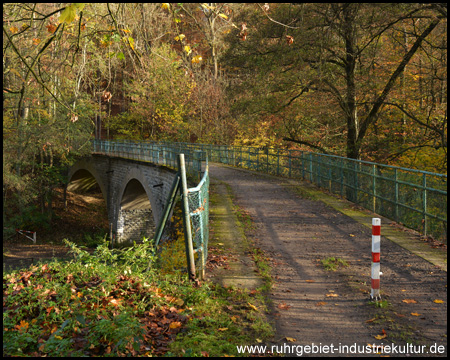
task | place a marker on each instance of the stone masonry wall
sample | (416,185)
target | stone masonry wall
(136,223)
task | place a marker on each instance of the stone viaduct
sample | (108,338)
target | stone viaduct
(135,192)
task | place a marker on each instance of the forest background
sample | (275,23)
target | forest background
(366,81)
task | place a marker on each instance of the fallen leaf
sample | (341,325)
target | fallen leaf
(51,28)
(283,306)
(115,302)
(437,301)
(175,325)
(415,314)
(310,281)
(409,301)
(23,325)
(332,295)
(371,320)
(380,337)
(222,329)
(321,303)
(253,306)
(290,339)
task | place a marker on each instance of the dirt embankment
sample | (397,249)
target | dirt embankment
(85,214)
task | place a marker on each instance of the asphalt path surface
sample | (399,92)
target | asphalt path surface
(330,309)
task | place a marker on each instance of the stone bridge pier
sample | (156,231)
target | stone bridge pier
(135,192)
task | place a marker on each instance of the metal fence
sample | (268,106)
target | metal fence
(198,199)
(417,199)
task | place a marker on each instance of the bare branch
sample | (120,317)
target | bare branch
(277,22)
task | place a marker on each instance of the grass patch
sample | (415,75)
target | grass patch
(385,318)
(332,263)
(380,304)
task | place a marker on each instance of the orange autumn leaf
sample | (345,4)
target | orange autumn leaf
(438,301)
(283,306)
(23,325)
(380,337)
(51,28)
(321,303)
(409,301)
(175,325)
(115,302)
(415,314)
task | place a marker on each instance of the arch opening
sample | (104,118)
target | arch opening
(135,214)
(86,208)
(82,181)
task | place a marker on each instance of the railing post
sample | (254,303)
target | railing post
(290,161)
(396,195)
(197,163)
(424,204)
(374,191)
(186,219)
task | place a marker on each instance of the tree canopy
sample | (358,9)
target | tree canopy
(361,80)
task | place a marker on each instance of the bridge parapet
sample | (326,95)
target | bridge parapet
(156,153)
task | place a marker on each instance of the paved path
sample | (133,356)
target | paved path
(312,305)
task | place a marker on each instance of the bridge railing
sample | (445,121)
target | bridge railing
(417,199)
(157,153)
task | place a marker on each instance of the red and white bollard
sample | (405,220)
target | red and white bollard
(376,232)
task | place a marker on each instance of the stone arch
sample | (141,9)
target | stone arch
(83,176)
(137,212)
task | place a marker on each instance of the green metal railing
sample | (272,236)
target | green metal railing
(157,153)
(417,199)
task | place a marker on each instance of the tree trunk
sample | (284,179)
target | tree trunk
(353,150)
